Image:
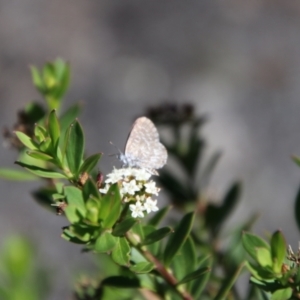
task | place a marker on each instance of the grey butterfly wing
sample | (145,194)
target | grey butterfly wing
(143,146)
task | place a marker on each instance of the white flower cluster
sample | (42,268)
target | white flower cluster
(136,187)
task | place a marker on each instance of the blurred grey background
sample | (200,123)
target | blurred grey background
(237,61)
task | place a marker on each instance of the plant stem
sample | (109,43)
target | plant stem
(160,268)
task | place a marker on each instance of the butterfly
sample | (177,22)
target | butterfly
(143,148)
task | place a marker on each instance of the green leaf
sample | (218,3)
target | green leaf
(185,260)
(76,205)
(17,257)
(251,242)
(216,215)
(69,116)
(121,252)
(199,284)
(194,275)
(268,285)
(49,76)
(209,168)
(54,130)
(58,197)
(110,207)
(28,160)
(231,199)
(37,79)
(40,171)
(92,206)
(138,230)
(296,159)
(105,242)
(40,132)
(176,241)
(255,292)
(158,217)
(156,235)
(72,214)
(188,156)
(282,294)
(83,232)
(297,276)
(121,228)
(89,189)
(74,147)
(11,174)
(59,157)
(39,155)
(121,282)
(263,257)
(228,284)
(71,237)
(145,230)
(235,253)
(278,250)
(45,144)
(143,267)
(90,163)
(62,72)
(26,140)
(59,187)
(260,272)
(59,68)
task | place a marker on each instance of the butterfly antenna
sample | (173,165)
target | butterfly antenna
(119,154)
(118,150)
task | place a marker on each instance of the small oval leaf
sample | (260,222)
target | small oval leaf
(105,242)
(90,163)
(251,242)
(40,171)
(74,147)
(158,217)
(142,267)
(39,155)
(11,174)
(110,207)
(54,129)
(26,140)
(282,294)
(278,250)
(121,252)
(121,228)
(194,275)
(178,238)
(157,235)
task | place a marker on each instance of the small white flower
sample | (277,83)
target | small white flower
(150,205)
(123,191)
(121,172)
(113,177)
(130,187)
(128,172)
(135,185)
(141,174)
(151,188)
(137,209)
(105,189)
